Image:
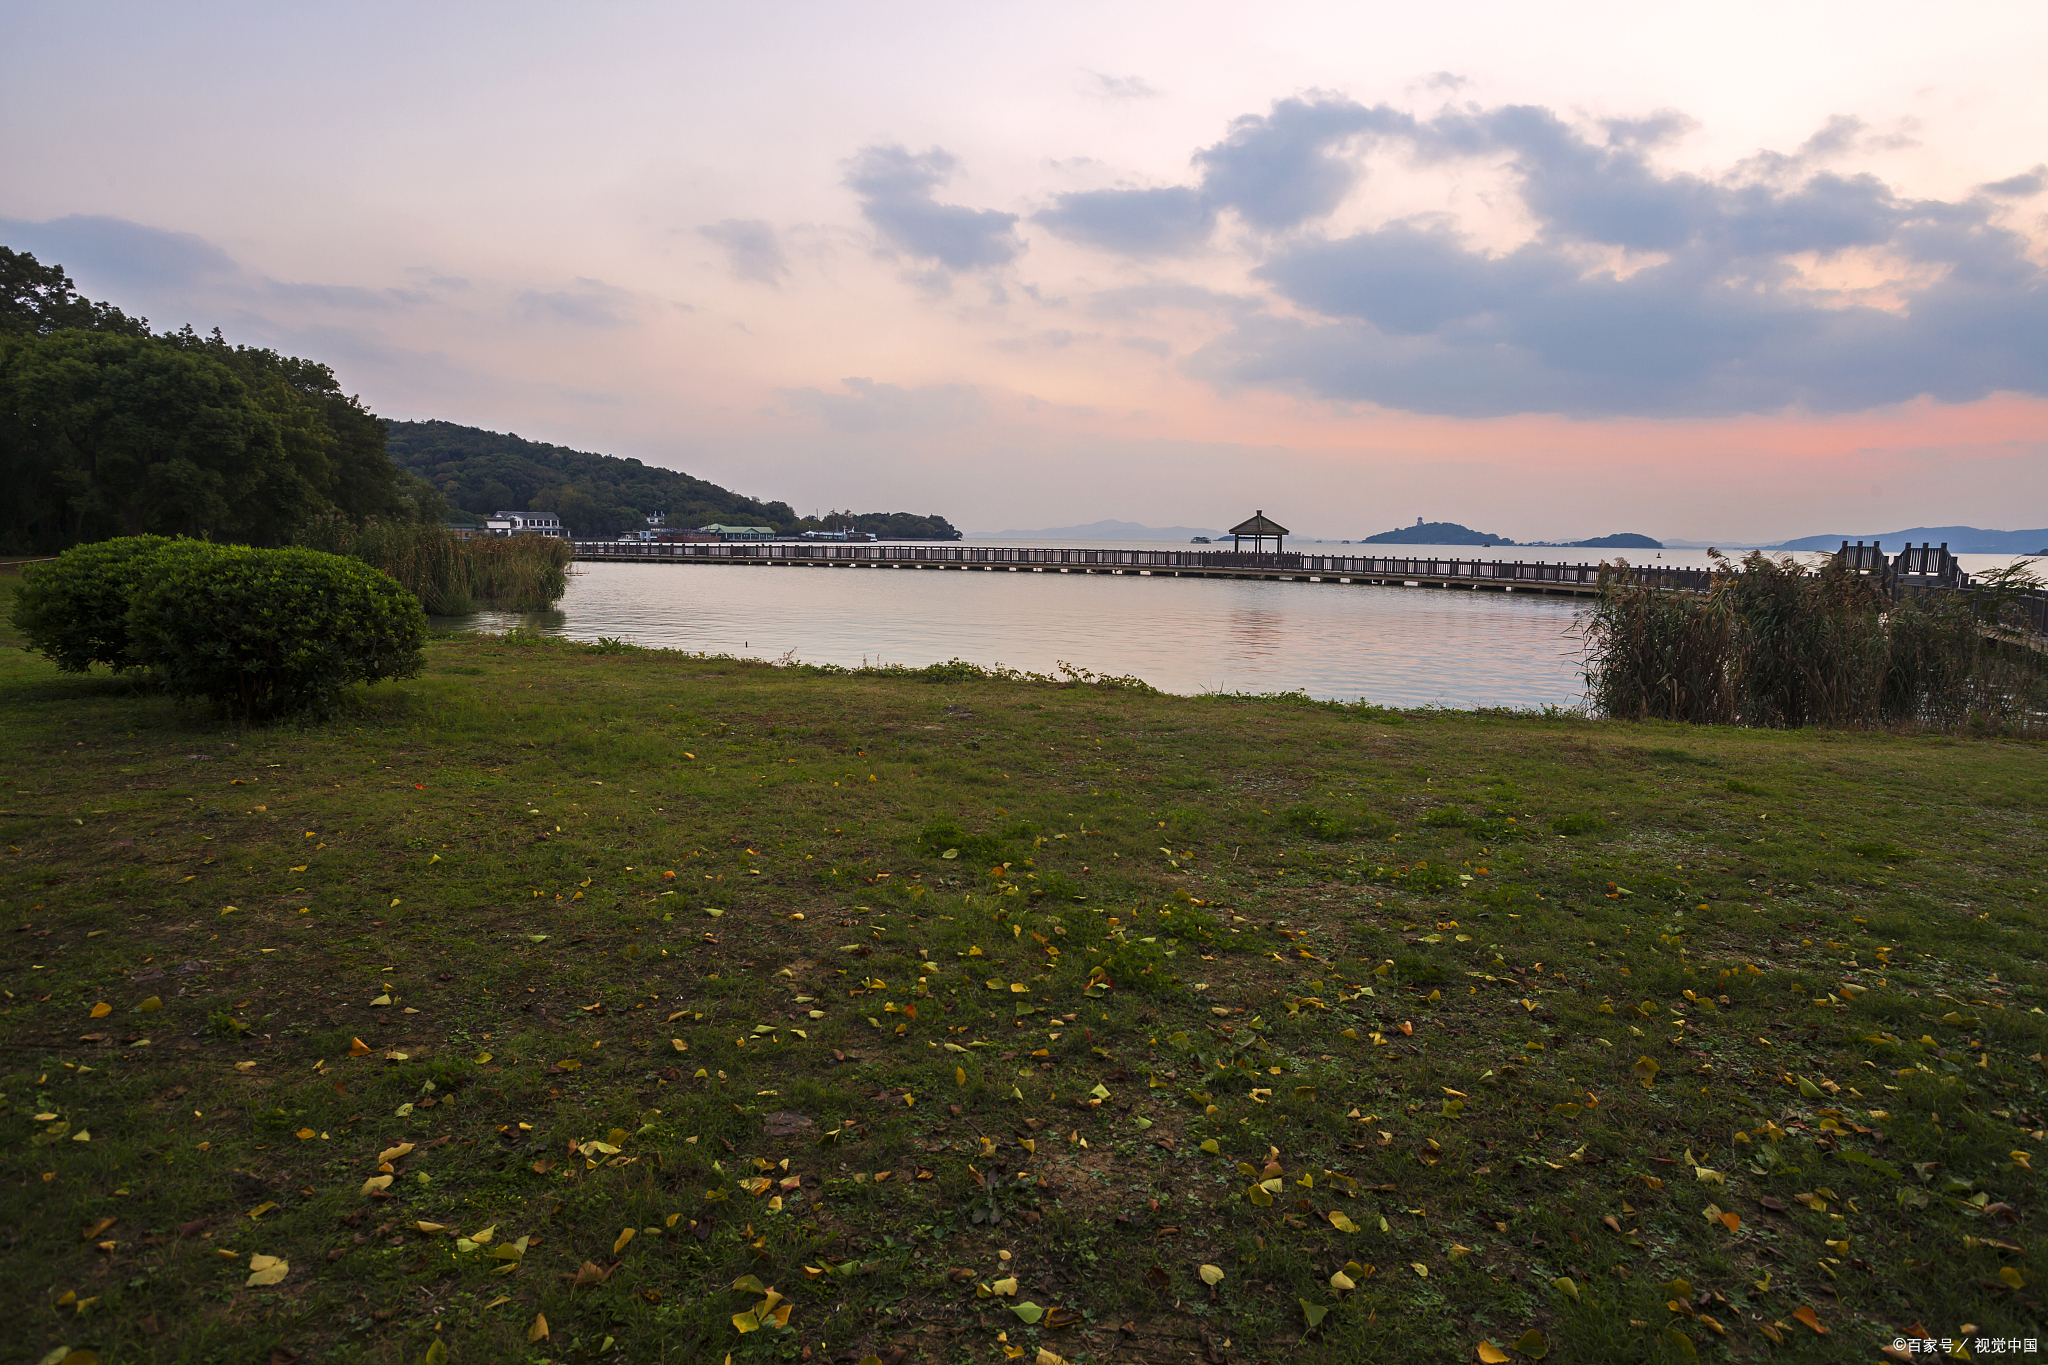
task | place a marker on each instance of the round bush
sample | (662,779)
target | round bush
(265,633)
(74,609)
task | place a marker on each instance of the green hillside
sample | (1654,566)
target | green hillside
(1435,533)
(602,496)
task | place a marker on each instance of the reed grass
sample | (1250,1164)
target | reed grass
(1775,645)
(452,576)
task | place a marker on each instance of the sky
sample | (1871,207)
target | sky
(1735,272)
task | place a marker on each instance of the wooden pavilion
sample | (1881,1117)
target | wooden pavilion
(1258,530)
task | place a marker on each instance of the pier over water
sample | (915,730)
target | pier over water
(1539,576)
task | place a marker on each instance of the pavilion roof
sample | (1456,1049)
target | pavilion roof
(1260,525)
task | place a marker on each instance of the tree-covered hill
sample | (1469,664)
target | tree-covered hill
(601,496)
(1435,533)
(107,429)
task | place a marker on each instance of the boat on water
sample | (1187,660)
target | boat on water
(1198,540)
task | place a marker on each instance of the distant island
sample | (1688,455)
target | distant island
(1624,540)
(1106,530)
(599,497)
(1451,533)
(1435,533)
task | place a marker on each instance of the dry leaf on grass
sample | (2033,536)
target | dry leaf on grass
(267,1269)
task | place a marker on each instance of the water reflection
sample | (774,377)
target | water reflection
(1256,634)
(553,622)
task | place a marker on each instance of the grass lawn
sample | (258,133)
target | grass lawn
(574,1005)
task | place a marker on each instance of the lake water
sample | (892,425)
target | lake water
(1392,646)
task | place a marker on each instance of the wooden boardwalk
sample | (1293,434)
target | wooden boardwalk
(1531,576)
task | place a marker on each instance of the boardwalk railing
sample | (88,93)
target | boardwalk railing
(1538,575)
(1931,568)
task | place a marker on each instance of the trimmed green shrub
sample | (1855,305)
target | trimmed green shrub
(266,633)
(75,608)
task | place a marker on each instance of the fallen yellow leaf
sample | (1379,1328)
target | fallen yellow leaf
(267,1269)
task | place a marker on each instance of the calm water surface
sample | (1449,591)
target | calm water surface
(1396,646)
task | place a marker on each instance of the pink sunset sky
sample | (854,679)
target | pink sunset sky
(1738,272)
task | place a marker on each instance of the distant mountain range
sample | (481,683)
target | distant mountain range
(1106,530)
(1962,540)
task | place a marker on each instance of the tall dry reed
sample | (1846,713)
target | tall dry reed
(449,575)
(1776,645)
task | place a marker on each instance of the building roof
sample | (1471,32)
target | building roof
(1260,525)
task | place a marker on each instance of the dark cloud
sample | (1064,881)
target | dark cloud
(751,249)
(1276,171)
(1414,318)
(1711,314)
(1133,222)
(2022,186)
(592,303)
(896,189)
(113,252)
(1281,169)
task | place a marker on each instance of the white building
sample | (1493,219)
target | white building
(524,524)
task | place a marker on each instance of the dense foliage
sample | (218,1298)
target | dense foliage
(1774,645)
(107,430)
(600,497)
(451,576)
(263,633)
(74,610)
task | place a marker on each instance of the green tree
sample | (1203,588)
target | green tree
(142,435)
(37,299)
(331,441)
